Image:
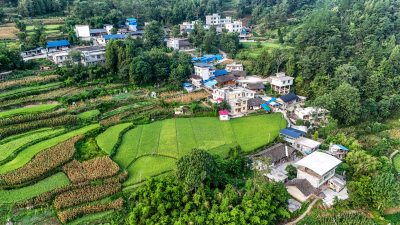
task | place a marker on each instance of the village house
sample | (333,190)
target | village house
(337,150)
(317,168)
(311,114)
(187,27)
(196,80)
(55,46)
(179,44)
(204,70)
(131,24)
(225,80)
(313,172)
(223,115)
(60,58)
(234,67)
(279,153)
(108,37)
(235,26)
(255,103)
(97,32)
(239,75)
(216,20)
(93,55)
(188,87)
(236,97)
(287,100)
(297,140)
(257,87)
(82,32)
(281,83)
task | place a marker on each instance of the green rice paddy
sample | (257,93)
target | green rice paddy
(108,139)
(28,110)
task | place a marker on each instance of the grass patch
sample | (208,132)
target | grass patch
(26,155)
(254,49)
(88,219)
(396,162)
(148,166)
(88,115)
(109,138)
(16,195)
(177,137)
(10,147)
(28,110)
(393,218)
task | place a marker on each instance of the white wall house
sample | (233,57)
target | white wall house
(281,83)
(82,32)
(317,168)
(306,145)
(235,26)
(60,58)
(204,70)
(234,67)
(311,114)
(236,97)
(93,56)
(179,44)
(216,20)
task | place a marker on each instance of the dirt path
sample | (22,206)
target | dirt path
(305,213)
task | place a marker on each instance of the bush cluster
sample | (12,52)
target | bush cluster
(85,194)
(23,127)
(43,163)
(93,169)
(72,214)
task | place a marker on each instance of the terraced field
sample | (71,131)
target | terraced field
(28,110)
(161,143)
(27,154)
(108,139)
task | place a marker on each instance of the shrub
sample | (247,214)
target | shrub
(43,163)
(85,194)
(72,214)
(93,169)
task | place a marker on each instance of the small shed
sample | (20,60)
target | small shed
(223,115)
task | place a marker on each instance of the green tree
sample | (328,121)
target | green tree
(153,35)
(385,191)
(291,172)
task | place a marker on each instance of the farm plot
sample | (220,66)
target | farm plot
(10,147)
(25,156)
(16,195)
(30,90)
(89,114)
(148,166)
(165,141)
(109,138)
(28,110)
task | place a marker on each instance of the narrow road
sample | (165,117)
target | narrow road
(305,213)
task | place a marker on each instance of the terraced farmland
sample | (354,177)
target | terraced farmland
(28,110)
(161,143)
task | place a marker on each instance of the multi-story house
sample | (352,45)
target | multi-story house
(93,56)
(179,44)
(281,83)
(216,20)
(235,26)
(60,58)
(234,67)
(204,70)
(236,97)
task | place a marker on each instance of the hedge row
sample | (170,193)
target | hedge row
(85,194)
(43,199)
(43,163)
(93,169)
(31,117)
(51,122)
(71,214)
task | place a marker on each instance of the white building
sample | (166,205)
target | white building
(317,168)
(60,58)
(82,32)
(281,83)
(93,55)
(216,20)
(179,44)
(108,28)
(234,67)
(306,145)
(235,26)
(311,114)
(204,70)
(236,97)
(187,27)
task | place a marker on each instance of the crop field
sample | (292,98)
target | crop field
(8,31)
(108,139)
(27,154)
(28,110)
(254,49)
(10,147)
(15,195)
(29,89)
(89,114)
(174,138)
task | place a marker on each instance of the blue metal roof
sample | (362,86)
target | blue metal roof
(265,107)
(97,31)
(131,19)
(60,43)
(342,147)
(114,36)
(132,23)
(210,83)
(187,84)
(289,133)
(220,73)
(289,97)
(296,130)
